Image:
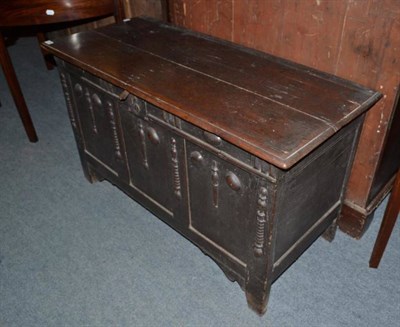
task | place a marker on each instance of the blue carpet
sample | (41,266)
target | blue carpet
(76,254)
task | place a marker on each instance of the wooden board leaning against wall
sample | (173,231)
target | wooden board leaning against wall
(354,39)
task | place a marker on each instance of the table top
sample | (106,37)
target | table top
(275,109)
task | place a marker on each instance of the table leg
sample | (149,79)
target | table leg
(388,222)
(46,56)
(16,92)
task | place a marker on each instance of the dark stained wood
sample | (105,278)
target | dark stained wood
(237,118)
(132,8)
(285,86)
(173,119)
(355,39)
(389,219)
(47,58)
(16,92)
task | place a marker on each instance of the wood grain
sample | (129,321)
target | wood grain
(224,88)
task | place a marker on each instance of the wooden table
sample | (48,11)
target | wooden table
(243,153)
(30,14)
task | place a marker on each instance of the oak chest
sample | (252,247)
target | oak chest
(243,153)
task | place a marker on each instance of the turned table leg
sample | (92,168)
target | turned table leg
(16,92)
(388,222)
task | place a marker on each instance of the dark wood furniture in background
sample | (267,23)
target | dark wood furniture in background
(355,39)
(388,222)
(132,8)
(30,13)
(245,154)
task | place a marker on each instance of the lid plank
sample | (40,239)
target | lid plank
(276,110)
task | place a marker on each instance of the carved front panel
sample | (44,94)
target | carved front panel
(154,157)
(97,112)
(223,203)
